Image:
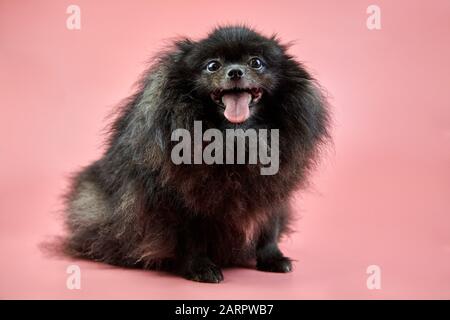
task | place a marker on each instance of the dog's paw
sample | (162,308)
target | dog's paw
(278,264)
(204,271)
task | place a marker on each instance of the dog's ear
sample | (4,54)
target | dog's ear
(183,47)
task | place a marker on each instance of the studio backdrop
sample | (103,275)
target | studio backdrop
(374,221)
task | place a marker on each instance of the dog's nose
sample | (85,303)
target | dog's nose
(235,73)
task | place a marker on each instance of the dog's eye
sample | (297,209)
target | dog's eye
(255,63)
(213,66)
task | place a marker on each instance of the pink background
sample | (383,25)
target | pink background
(381,196)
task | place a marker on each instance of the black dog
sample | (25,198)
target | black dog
(134,207)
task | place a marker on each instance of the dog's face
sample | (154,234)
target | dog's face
(236,86)
(235,68)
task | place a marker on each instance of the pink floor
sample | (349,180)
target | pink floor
(380,197)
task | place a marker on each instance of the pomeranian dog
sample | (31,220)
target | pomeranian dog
(135,207)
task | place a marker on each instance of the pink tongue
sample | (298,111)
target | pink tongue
(236,106)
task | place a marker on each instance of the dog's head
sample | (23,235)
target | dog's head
(233,69)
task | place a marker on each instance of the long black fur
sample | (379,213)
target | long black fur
(135,208)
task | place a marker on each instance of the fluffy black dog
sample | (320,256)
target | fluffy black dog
(134,207)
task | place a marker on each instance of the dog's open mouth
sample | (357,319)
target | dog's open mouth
(237,102)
